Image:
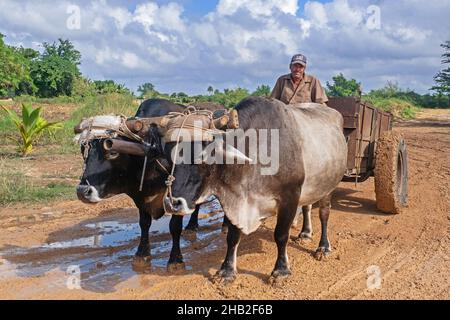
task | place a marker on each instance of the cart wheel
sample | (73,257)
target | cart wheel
(391,173)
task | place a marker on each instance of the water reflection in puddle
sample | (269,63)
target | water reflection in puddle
(110,233)
(105,258)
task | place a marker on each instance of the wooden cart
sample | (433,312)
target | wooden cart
(374,150)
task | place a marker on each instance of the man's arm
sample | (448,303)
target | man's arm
(276,92)
(318,94)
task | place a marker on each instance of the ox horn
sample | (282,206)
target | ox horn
(232,152)
(222,149)
(125,147)
(79,128)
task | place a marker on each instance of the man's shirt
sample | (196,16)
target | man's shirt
(308,90)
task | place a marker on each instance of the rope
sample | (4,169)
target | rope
(162,167)
(171,178)
(190,111)
(111,132)
(143,174)
(124,131)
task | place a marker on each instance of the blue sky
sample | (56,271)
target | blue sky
(188,45)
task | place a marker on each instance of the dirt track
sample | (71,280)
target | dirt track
(411,250)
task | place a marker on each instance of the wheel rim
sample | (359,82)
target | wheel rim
(401,173)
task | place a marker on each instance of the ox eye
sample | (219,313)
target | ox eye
(111,155)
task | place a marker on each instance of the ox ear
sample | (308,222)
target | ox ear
(218,151)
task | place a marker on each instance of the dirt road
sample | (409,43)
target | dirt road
(71,251)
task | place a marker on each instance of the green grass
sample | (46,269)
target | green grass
(93,106)
(401,109)
(55,100)
(61,141)
(106,104)
(16,187)
(7,129)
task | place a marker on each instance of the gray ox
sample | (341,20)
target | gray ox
(313,154)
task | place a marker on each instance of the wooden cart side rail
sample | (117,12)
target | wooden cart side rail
(363,125)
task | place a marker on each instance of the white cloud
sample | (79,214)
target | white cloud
(341,12)
(108,56)
(207,34)
(257,7)
(407,34)
(168,17)
(240,43)
(121,17)
(130,60)
(316,13)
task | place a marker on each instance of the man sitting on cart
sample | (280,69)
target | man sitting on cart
(298,87)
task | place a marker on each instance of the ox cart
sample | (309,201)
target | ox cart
(374,150)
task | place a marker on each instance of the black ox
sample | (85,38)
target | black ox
(107,174)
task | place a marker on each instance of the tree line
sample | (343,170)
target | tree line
(55,72)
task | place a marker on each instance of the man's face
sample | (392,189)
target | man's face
(297,70)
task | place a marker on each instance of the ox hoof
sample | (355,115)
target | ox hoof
(224,276)
(141,264)
(224,229)
(305,237)
(141,260)
(278,276)
(282,273)
(176,267)
(190,235)
(322,253)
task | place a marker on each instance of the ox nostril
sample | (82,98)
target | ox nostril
(88,194)
(81,189)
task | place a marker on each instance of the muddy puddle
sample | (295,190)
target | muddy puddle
(101,255)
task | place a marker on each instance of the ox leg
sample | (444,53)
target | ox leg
(176,258)
(145,221)
(285,218)
(306,233)
(295,222)
(193,221)
(324,212)
(226,222)
(228,271)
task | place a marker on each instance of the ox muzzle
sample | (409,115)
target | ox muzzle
(88,194)
(177,206)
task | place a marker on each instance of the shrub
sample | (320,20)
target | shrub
(400,108)
(30,126)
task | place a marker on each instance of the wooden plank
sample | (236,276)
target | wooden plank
(348,107)
(366,130)
(350,122)
(351,145)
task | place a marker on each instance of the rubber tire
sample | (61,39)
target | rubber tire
(391,173)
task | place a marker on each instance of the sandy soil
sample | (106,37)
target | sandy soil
(43,249)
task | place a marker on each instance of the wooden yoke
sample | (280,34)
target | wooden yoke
(141,126)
